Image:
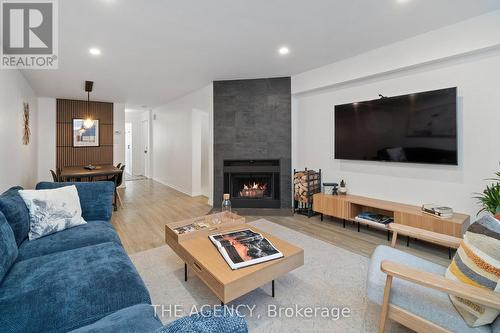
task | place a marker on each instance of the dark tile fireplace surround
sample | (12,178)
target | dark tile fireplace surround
(252,143)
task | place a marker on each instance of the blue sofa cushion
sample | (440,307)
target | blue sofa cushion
(136,318)
(63,291)
(219,320)
(16,213)
(8,247)
(91,233)
(96,198)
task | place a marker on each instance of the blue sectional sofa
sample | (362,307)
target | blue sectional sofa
(79,279)
(73,278)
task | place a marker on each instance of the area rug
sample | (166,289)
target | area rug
(331,281)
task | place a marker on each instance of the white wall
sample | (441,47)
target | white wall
(200,151)
(46,137)
(196,126)
(476,73)
(173,141)
(205,155)
(19,162)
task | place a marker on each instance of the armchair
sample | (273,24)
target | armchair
(414,292)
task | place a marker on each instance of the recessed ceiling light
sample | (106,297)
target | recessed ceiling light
(403,1)
(284,50)
(94,51)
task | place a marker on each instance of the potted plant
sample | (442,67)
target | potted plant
(490,198)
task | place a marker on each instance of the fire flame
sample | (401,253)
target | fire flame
(255,190)
(255,186)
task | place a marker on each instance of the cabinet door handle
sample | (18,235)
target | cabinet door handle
(197,267)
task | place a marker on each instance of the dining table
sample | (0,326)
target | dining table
(77,173)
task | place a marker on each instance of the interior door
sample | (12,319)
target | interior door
(128,148)
(145,146)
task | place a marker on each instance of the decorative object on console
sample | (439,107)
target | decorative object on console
(477,263)
(52,210)
(490,197)
(331,188)
(26,124)
(343,188)
(439,211)
(306,183)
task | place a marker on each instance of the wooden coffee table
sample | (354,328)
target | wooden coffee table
(203,258)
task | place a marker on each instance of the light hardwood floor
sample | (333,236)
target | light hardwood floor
(148,205)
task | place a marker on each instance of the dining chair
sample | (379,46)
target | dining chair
(118,180)
(55,177)
(111,178)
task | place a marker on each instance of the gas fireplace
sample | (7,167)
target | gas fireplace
(253,183)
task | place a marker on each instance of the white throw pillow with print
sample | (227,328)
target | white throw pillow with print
(52,210)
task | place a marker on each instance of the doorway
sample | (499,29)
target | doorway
(128,148)
(137,145)
(145,148)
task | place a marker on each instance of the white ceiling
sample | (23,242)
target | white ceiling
(156,50)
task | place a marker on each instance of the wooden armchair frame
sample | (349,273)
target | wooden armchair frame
(394,270)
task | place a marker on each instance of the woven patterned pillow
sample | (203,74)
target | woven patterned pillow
(477,262)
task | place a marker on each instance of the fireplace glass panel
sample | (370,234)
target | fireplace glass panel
(252,183)
(254,186)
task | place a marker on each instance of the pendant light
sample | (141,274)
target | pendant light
(88,122)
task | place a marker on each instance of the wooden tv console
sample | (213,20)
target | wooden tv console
(347,207)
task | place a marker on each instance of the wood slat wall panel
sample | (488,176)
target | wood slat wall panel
(78,109)
(66,154)
(69,156)
(106,135)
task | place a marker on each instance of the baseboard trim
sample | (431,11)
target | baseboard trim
(177,188)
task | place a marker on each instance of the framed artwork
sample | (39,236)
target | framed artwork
(85,134)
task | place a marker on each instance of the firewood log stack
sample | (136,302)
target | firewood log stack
(306,183)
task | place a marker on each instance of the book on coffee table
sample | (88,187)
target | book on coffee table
(244,248)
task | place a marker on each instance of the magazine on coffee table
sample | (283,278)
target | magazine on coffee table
(244,248)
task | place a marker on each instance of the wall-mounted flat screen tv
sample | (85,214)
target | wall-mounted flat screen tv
(414,128)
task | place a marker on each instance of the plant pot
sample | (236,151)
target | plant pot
(497,216)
